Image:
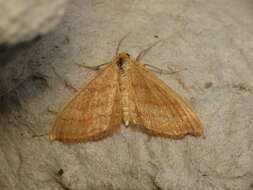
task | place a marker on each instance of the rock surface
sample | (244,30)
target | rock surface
(23,22)
(25,19)
(212,39)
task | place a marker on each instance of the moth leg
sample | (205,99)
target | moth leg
(39,135)
(165,71)
(50,110)
(145,51)
(120,42)
(66,83)
(97,67)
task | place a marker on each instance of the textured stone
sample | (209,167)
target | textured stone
(24,20)
(22,23)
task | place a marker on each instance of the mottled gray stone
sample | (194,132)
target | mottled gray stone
(24,20)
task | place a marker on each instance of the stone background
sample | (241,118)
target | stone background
(212,39)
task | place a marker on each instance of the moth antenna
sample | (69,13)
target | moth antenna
(145,51)
(120,42)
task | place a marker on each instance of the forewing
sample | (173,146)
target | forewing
(157,109)
(91,113)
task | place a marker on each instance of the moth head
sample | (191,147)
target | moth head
(123,55)
(122,58)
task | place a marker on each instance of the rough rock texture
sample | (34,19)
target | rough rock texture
(21,23)
(212,39)
(25,19)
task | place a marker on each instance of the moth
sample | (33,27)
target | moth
(124,90)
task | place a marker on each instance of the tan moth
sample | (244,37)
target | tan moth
(124,90)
